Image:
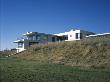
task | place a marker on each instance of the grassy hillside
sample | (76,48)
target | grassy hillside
(91,53)
(17,70)
(59,62)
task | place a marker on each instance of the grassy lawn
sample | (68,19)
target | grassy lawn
(15,70)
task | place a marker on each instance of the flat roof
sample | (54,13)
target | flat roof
(98,34)
(17,41)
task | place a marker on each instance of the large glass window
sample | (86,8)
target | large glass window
(30,38)
(38,37)
(20,45)
(53,39)
(34,37)
(66,37)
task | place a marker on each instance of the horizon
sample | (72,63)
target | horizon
(51,16)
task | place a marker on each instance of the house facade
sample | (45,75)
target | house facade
(31,38)
(73,35)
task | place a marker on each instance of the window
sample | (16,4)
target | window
(81,35)
(34,38)
(76,35)
(65,37)
(20,45)
(53,39)
(38,37)
(30,38)
(70,35)
(45,37)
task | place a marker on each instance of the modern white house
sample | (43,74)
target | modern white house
(75,34)
(31,38)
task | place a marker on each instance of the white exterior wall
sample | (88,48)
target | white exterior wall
(25,43)
(20,49)
(72,35)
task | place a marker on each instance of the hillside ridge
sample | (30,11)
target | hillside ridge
(91,53)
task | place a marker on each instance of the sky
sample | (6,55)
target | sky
(51,16)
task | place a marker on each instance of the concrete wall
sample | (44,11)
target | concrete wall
(72,35)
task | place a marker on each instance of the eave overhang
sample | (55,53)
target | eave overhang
(18,41)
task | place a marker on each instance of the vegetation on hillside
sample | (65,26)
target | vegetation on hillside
(59,62)
(90,53)
(6,53)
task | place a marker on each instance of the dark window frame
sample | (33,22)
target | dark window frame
(70,35)
(77,35)
(20,45)
(81,35)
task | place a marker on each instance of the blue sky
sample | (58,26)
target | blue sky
(51,16)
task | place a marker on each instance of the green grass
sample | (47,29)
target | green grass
(17,70)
